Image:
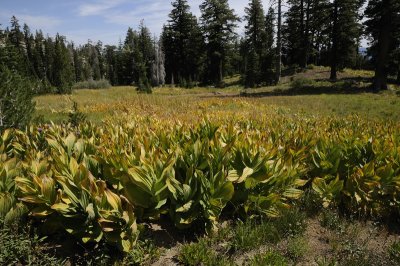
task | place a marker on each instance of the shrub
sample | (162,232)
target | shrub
(269,258)
(143,253)
(301,83)
(92,85)
(311,67)
(16,105)
(202,254)
(76,117)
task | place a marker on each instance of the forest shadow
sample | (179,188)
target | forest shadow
(315,87)
(165,234)
(347,79)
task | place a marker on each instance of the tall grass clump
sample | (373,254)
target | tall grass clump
(92,85)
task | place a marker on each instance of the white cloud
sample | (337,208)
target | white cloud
(98,7)
(154,13)
(48,23)
(40,22)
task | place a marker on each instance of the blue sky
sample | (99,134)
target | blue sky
(105,20)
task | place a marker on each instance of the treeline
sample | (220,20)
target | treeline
(55,64)
(204,50)
(319,32)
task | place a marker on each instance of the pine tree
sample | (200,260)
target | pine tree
(183,43)
(256,39)
(398,63)
(382,26)
(167,45)
(234,57)
(93,61)
(78,64)
(143,55)
(12,58)
(306,22)
(294,32)
(15,35)
(16,105)
(62,68)
(127,58)
(111,64)
(49,59)
(29,43)
(346,32)
(268,60)
(218,22)
(13,55)
(39,57)
(100,58)
(120,63)
(318,25)
(278,62)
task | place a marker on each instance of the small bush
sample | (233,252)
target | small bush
(311,67)
(301,83)
(92,85)
(270,258)
(195,253)
(201,253)
(76,117)
(144,252)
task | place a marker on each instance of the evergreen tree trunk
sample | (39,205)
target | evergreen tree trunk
(334,42)
(279,43)
(307,35)
(303,34)
(380,80)
(398,74)
(220,74)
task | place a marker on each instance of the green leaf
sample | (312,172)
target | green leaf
(185,208)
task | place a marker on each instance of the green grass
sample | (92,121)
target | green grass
(17,247)
(308,93)
(144,253)
(201,253)
(100,104)
(250,235)
(270,258)
(297,248)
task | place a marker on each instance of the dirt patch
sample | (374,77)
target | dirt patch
(168,258)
